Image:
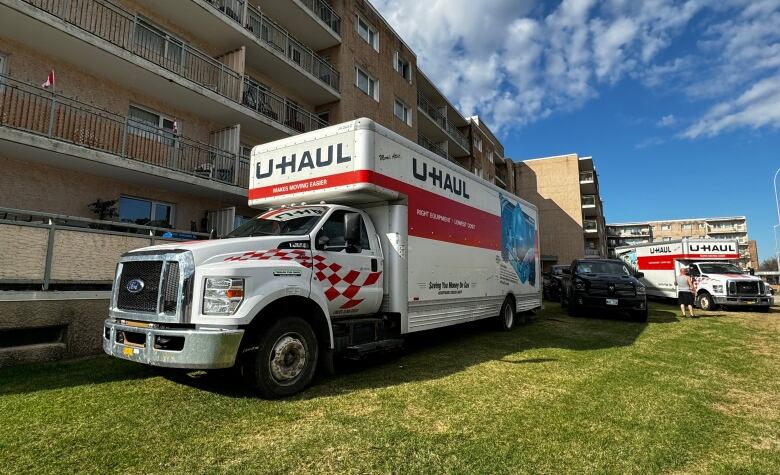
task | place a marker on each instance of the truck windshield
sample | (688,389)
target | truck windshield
(720,269)
(606,267)
(281,222)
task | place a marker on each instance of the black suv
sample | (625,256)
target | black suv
(605,284)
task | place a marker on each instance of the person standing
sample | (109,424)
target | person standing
(685,288)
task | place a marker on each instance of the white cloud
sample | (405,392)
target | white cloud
(667,121)
(515,62)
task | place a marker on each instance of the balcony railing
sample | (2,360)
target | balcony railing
(261,100)
(59,250)
(28,108)
(441,121)
(587,177)
(131,33)
(435,148)
(324,12)
(588,201)
(278,39)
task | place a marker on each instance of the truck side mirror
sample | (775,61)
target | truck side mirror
(322,242)
(352,228)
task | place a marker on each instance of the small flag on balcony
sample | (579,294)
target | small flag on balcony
(49,80)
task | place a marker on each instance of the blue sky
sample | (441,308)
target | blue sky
(678,102)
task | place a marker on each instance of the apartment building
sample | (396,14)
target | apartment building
(565,188)
(144,112)
(733,227)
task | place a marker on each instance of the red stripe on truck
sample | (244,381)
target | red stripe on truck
(431,216)
(666,262)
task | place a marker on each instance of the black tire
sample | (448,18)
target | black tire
(283,359)
(507,318)
(705,302)
(639,315)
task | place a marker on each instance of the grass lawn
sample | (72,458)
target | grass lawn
(557,395)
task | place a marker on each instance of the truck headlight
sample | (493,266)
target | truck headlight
(222,295)
(579,285)
(718,289)
(641,290)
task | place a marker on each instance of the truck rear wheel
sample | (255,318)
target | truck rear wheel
(507,317)
(705,302)
(282,360)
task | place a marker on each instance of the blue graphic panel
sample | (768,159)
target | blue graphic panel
(518,240)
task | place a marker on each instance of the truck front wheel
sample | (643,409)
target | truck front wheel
(705,302)
(282,359)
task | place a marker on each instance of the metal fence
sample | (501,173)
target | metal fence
(261,100)
(325,13)
(26,107)
(46,249)
(433,147)
(435,114)
(268,32)
(127,31)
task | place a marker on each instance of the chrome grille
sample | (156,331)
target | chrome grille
(145,300)
(747,288)
(171,289)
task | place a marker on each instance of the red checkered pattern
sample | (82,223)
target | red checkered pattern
(340,283)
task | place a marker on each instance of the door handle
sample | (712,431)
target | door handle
(374,265)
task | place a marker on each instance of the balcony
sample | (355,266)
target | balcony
(437,120)
(59,251)
(724,229)
(228,25)
(590,226)
(125,147)
(592,252)
(312,21)
(114,44)
(277,109)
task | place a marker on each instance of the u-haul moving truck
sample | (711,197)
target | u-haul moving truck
(366,237)
(712,265)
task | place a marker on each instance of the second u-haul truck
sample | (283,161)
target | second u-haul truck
(711,263)
(365,237)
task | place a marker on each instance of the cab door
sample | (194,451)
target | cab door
(348,271)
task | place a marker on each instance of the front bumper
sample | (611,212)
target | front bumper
(623,303)
(755,301)
(201,348)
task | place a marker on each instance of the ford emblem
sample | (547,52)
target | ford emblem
(135,286)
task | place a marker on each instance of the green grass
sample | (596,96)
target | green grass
(557,395)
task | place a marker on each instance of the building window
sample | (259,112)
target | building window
(157,45)
(3,63)
(490,156)
(402,67)
(666,239)
(367,32)
(402,112)
(478,143)
(152,126)
(666,227)
(478,172)
(702,225)
(145,212)
(367,84)
(687,227)
(246,151)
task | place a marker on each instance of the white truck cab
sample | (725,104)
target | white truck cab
(364,237)
(720,283)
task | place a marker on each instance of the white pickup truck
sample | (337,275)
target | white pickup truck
(365,237)
(711,262)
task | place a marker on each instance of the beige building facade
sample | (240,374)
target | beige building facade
(732,227)
(565,188)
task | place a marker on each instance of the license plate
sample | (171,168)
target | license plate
(612,301)
(750,302)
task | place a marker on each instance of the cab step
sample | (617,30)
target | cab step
(357,352)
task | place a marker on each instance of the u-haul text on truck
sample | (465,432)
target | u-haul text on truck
(712,265)
(365,237)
